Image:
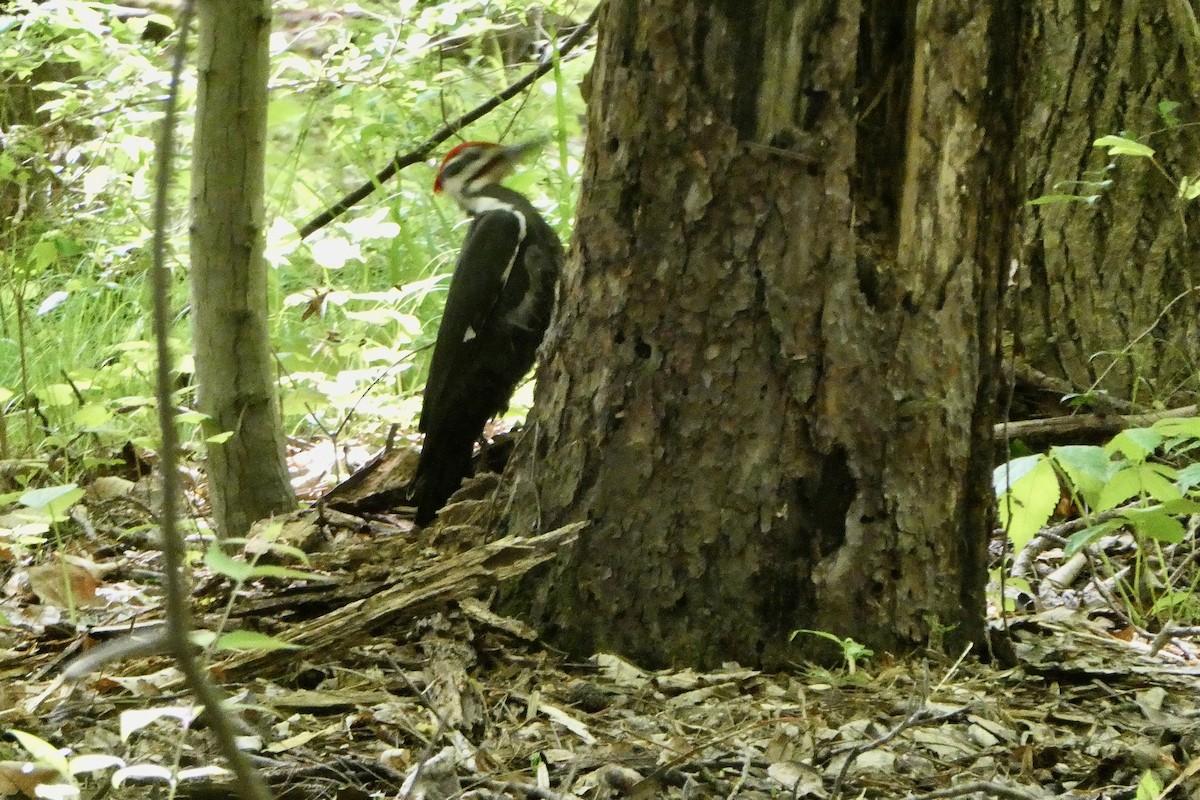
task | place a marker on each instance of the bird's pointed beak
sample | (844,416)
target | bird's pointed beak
(515,152)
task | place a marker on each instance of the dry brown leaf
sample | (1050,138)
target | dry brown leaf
(65,582)
(23,777)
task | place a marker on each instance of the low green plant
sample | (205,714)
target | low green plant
(853,652)
(1143,481)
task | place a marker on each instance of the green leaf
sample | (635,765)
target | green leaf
(252,640)
(1086,467)
(1122,146)
(1188,477)
(1155,523)
(1149,787)
(1181,507)
(220,438)
(272,571)
(1006,475)
(1085,537)
(1137,480)
(1170,601)
(222,563)
(55,501)
(239,571)
(42,751)
(92,417)
(191,417)
(1189,188)
(1183,427)
(1028,505)
(43,254)
(1135,443)
(58,395)
(1179,433)
(1167,109)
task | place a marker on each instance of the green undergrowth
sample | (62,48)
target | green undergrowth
(353,308)
(1145,481)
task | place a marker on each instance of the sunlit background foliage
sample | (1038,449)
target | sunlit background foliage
(355,304)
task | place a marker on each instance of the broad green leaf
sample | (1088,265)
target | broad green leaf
(43,254)
(1137,480)
(1188,477)
(1171,601)
(1008,474)
(1086,467)
(1181,507)
(58,394)
(55,501)
(222,563)
(1028,505)
(1182,427)
(1083,538)
(92,417)
(191,417)
(1155,523)
(272,571)
(1122,146)
(1135,443)
(220,438)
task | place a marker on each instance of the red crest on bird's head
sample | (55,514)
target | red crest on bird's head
(453,154)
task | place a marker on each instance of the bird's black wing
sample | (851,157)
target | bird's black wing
(487,255)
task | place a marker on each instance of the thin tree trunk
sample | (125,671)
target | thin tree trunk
(770,386)
(247,474)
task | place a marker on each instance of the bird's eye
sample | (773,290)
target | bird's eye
(459,164)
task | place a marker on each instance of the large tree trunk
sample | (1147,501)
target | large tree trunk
(770,387)
(247,475)
(1107,295)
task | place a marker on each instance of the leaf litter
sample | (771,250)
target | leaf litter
(406,684)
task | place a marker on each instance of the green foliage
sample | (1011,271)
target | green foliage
(353,307)
(1126,145)
(852,652)
(1139,481)
(1149,787)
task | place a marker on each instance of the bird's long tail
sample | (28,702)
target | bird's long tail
(445,461)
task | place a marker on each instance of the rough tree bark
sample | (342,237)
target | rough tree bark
(247,475)
(1099,283)
(769,388)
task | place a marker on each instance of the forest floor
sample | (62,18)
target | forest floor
(406,684)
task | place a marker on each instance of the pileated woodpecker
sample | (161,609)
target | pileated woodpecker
(499,304)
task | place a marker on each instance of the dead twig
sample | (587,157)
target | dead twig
(918,716)
(1079,425)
